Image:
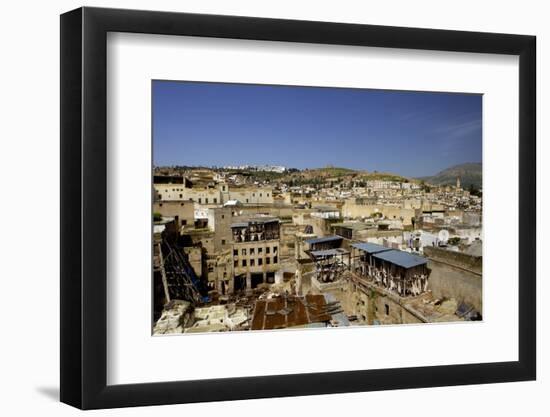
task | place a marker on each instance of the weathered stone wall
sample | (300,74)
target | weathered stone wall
(260,249)
(194,255)
(459,259)
(350,209)
(252,195)
(178,192)
(219,220)
(380,234)
(321,227)
(282,212)
(288,238)
(374,307)
(455,275)
(407,317)
(182,211)
(386,311)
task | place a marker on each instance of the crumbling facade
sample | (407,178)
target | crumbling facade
(255,243)
(330,260)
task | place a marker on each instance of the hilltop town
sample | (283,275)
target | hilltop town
(249,247)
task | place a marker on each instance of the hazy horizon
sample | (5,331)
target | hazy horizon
(307,168)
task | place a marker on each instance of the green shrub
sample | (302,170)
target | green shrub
(453,241)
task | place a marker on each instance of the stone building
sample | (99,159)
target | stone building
(444,287)
(252,196)
(207,195)
(181,211)
(219,220)
(300,244)
(212,194)
(389,286)
(351,230)
(354,209)
(255,243)
(456,275)
(219,271)
(397,271)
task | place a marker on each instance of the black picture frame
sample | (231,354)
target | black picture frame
(84,207)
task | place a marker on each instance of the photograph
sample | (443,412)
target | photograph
(275,208)
(302,207)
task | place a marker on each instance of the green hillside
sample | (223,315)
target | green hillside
(469,174)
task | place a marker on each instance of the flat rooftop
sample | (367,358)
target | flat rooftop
(325,209)
(324,239)
(370,247)
(282,312)
(254,220)
(328,252)
(400,258)
(353,226)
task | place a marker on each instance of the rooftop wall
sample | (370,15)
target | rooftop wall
(459,259)
(455,275)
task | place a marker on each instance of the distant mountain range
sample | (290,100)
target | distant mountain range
(469,173)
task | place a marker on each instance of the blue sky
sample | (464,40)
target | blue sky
(407,133)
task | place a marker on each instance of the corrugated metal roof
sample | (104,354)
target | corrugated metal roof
(370,247)
(264,220)
(323,239)
(400,258)
(328,252)
(242,224)
(255,220)
(289,311)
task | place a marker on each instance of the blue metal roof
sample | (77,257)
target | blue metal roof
(370,247)
(323,239)
(400,258)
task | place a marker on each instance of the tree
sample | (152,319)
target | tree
(453,241)
(425,187)
(474,191)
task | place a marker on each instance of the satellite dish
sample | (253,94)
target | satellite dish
(443,235)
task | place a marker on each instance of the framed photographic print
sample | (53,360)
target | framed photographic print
(258,208)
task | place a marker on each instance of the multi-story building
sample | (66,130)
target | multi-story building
(255,242)
(207,195)
(251,196)
(212,194)
(219,220)
(181,211)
